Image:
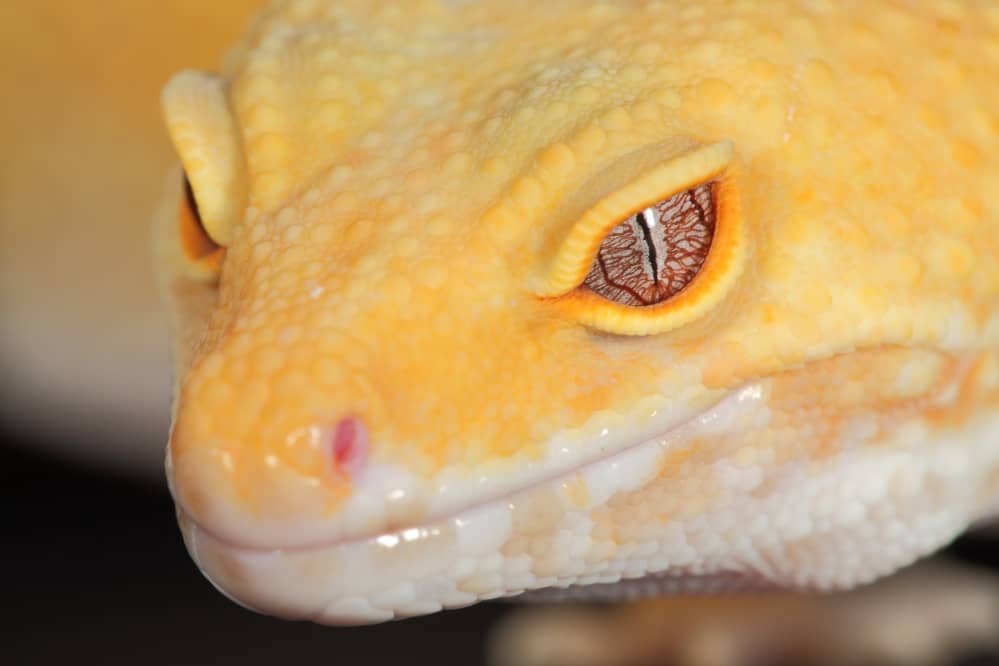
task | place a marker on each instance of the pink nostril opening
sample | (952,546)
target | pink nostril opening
(350,445)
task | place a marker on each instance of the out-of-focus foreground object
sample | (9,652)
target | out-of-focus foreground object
(83,361)
(929,614)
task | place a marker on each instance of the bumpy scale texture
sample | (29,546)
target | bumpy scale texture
(383,410)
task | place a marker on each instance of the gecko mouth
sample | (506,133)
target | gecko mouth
(612,467)
(389,502)
(355,579)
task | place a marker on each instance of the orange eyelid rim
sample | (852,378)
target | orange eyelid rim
(718,274)
(203,257)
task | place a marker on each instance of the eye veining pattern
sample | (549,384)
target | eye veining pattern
(654,254)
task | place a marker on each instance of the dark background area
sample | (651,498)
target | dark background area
(97,573)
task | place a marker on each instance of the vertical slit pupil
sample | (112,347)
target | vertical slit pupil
(643,222)
(673,237)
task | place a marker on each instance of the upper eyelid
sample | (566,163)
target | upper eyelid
(711,286)
(208,142)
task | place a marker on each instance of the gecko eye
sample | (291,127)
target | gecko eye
(204,254)
(208,141)
(661,247)
(653,255)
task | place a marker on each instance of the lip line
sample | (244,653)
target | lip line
(488,501)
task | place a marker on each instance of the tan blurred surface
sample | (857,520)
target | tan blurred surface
(83,157)
(930,614)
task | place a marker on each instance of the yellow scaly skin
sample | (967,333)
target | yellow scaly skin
(410,195)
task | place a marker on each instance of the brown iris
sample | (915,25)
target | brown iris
(653,255)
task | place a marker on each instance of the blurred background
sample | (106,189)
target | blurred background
(95,566)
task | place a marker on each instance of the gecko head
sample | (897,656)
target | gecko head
(448,334)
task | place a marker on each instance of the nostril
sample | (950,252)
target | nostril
(350,445)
